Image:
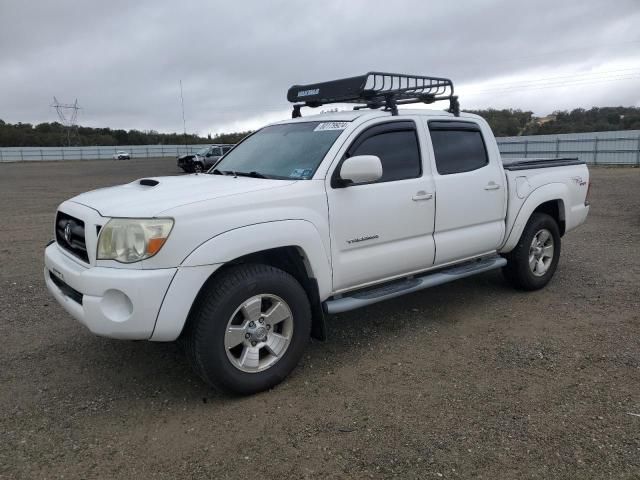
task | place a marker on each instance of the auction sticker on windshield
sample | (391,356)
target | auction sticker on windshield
(321,127)
(302,173)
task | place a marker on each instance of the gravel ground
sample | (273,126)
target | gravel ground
(466,380)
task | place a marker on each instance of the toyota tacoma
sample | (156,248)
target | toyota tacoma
(306,217)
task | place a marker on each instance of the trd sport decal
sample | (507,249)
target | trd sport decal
(579,181)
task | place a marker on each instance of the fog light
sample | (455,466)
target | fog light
(116,306)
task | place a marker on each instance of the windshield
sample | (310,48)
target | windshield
(202,151)
(290,150)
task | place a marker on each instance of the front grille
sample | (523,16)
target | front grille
(75,241)
(72,293)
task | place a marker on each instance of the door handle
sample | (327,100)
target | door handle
(492,186)
(422,195)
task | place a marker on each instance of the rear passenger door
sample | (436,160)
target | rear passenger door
(382,229)
(470,192)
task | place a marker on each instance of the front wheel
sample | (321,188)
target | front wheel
(533,261)
(198,168)
(248,329)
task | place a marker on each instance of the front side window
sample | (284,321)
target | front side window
(457,149)
(396,146)
(287,151)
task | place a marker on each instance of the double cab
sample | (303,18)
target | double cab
(310,216)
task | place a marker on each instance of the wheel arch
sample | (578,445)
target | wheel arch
(294,246)
(551,199)
(556,210)
(291,259)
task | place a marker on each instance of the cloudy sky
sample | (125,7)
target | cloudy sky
(123,60)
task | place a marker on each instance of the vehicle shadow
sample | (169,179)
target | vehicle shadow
(148,369)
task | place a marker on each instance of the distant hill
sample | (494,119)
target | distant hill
(504,123)
(507,123)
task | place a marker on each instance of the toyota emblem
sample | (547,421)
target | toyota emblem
(67,232)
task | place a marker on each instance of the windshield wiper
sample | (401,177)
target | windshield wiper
(252,174)
(215,171)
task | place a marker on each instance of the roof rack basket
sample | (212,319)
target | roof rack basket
(375,90)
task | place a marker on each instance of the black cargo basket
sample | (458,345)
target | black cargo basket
(375,90)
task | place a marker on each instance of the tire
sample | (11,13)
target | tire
(248,368)
(198,168)
(531,264)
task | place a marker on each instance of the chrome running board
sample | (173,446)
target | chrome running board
(396,288)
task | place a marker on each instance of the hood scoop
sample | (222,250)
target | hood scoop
(149,182)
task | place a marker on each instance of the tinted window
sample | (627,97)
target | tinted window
(458,150)
(216,152)
(398,152)
(225,149)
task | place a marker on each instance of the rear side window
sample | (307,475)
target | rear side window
(396,145)
(458,147)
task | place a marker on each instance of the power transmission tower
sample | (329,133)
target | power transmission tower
(68,116)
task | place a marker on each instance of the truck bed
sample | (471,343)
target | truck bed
(531,163)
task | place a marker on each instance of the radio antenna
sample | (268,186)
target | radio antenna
(184,123)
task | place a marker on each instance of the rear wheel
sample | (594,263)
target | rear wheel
(249,329)
(533,261)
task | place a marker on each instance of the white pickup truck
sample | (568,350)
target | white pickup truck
(307,217)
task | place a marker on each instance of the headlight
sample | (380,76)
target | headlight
(129,240)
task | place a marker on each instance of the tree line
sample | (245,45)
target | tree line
(55,134)
(506,122)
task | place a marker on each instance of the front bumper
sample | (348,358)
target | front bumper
(111,302)
(185,163)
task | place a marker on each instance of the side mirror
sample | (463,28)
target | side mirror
(360,169)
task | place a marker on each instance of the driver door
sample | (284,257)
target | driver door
(382,229)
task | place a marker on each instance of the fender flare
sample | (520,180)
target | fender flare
(232,244)
(209,256)
(545,193)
